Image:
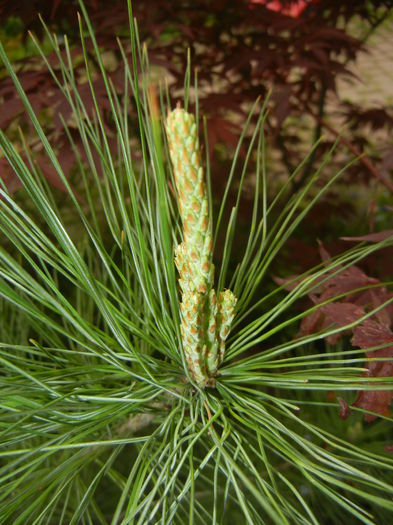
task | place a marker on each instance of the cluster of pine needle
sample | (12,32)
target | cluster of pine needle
(138,389)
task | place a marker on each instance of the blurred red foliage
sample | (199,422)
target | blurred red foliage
(358,294)
(240,54)
(294,9)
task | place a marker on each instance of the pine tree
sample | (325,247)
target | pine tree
(136,385)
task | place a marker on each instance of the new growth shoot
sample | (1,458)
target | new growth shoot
(205,319)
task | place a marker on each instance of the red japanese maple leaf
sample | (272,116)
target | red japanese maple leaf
(374,331)
(368,334)
(294,9)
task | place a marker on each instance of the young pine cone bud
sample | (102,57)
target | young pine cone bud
(205,322)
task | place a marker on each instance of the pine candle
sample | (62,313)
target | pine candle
(205,321)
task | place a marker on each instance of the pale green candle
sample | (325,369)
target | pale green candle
(205,321)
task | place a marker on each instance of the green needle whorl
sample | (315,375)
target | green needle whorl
(205,321)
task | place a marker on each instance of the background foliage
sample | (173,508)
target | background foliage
(241,49)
